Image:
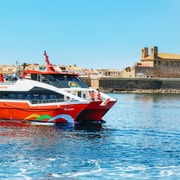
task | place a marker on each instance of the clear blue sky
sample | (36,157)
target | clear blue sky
(89,33)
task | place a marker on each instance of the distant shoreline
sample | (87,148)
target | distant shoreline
(144,91)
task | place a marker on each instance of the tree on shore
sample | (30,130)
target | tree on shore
(24,65)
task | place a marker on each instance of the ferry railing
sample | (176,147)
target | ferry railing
(85,93)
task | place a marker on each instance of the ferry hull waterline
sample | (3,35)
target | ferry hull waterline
(51,96)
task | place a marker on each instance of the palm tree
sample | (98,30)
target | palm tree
(24,65)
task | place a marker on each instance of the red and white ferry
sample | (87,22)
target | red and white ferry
(51,97)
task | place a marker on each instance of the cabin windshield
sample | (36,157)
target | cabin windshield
(60,80)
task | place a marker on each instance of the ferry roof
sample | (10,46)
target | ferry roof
(28,71)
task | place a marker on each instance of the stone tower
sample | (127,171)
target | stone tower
(154,52)
(144,52)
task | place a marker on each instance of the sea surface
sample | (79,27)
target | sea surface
(140,140)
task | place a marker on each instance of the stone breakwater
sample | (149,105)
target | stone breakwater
(135,85)
(149,91)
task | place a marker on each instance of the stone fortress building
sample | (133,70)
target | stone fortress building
(154,65)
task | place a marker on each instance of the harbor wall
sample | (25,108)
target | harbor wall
(112,84)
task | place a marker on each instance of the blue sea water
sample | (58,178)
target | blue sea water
(140,140)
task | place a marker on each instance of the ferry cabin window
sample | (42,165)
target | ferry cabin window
(79,93)
(4,95)
(28,96)
(62,81)
(56,80)
(44,94)
(34,77)
(25,95)
(81,82)
(52,96)
(11,78)
(11,95)
(20,96)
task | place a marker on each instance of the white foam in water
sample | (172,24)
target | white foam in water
(126,175)
(42,123)
(136,168)
(170,171)
(78,174)
(56,175)
(22,170)
(51,159)
(166,173)
(22,175)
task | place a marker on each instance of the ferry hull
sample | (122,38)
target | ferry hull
(40,113)
(71,113)
(95,111)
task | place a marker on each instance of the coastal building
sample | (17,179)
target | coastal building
(128,72)
(164,65)
(7,69)
(154,65)
(108,72)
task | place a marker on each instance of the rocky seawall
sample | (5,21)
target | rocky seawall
(137,85)
(140,85)
(149,91)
